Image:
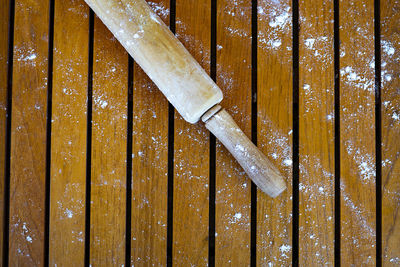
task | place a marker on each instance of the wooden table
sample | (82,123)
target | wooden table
(99,169)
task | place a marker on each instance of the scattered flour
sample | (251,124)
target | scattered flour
(388,48)
(68,213)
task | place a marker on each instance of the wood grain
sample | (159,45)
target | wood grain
(109,137)
(68,139)
(28,133)
(232,218)
(357,133)
(316,127)
(3,107)
(274,128)
(149,166)
(390,93)
(191,148)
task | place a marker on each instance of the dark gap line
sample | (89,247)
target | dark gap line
(253,212)
(295,197)
(128,223)
(378,132)
(170,183)
(6,208)
(89,139)
(48,134)
(336,48)
(211,211)
(212,155)
(171,132)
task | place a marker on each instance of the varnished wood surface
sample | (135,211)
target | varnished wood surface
(109,137)
(316,123)
(68,139)
(149,166)
(187,231)
(274,128)
(232,199)
(28,134)
(191,163)
(357,134)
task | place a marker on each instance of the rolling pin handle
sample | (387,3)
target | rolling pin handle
(260,170)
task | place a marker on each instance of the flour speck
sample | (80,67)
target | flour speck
(238,215)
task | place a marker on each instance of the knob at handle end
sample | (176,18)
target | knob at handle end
(260,170)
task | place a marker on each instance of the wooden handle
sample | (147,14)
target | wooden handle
(263,173)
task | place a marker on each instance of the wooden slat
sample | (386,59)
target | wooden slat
(149,165)
(357,133)
(232,219)
(390,49)
(68,139)
(28,133)
(191,156)
(3,107)
(316,128)
(274,128)
(109,143)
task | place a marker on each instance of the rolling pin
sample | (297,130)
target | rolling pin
(184,82)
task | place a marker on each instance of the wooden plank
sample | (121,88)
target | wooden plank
(232,218)
(357,133)
(316,154)
(191,145)
(68,140)
(390,49)
(274,128)
(149,165)
(28,133)
(109,137)
(3,107)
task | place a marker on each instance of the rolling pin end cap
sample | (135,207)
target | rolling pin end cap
(272,185)
(277,191)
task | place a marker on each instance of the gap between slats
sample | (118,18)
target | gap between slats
(378,132)
(48,132)
(89,139)
(254,81)
(212,173)
(336,44)
(295,55)
(128,234)
(171,130)
(8,134)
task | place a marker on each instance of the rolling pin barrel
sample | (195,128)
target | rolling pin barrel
(182,80)
(160,54)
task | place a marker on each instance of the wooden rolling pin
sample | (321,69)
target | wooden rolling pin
(182,80)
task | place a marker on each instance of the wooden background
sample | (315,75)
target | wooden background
(96,167)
